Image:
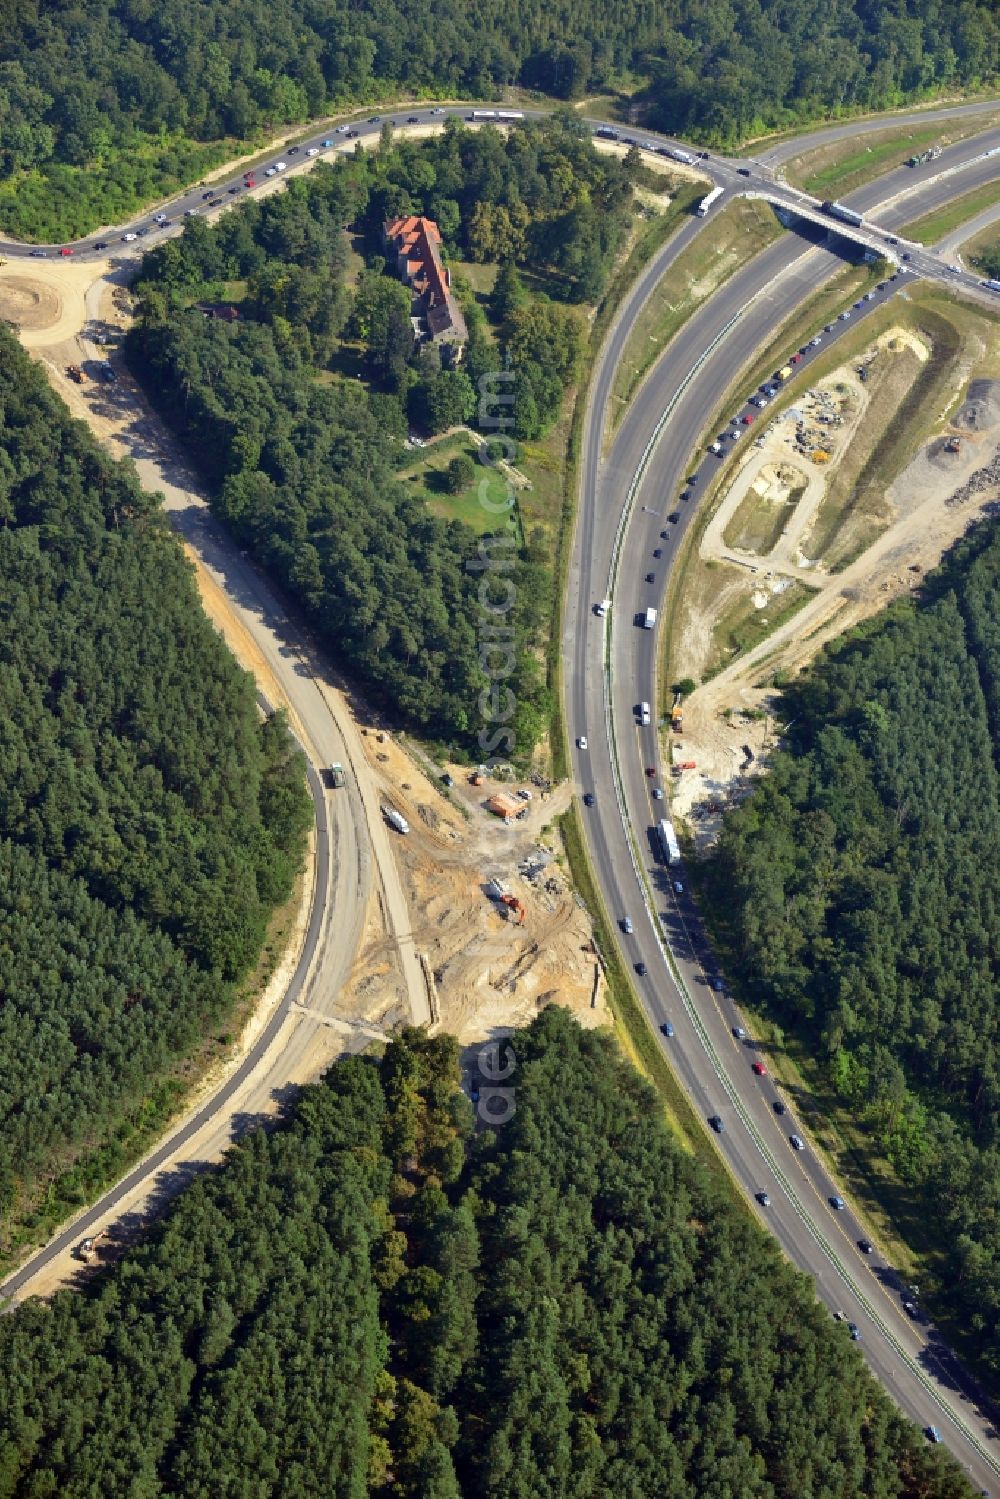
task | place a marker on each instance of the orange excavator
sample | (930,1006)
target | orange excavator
(515,907)
(85,1249)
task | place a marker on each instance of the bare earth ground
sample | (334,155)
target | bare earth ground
(728,727)
(487,972)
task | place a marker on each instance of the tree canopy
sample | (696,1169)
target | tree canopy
(856,893)
(378,1299)
(148,821)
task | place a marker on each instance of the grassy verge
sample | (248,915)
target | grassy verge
(631,1026)
(843,165)
(737,234)
(808,317)
(934,226)
(741,626)
(36,1214)
(647,241)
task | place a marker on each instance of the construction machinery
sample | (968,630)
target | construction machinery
(86,1248)
(75,373)
(336,775)
(953,445)
(677,715)
(515,907)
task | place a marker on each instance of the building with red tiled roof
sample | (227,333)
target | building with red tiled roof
(416,243)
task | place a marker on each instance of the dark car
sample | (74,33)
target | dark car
(667,1028)
(351,135)
(717,1124)
(703,155)
(674,517)
(932,1434)
(102,244)
(235,187)
(214,202)
(374,119)
(778,1106)
(640,969)
(292,150)
(589,799)
(657,551)
(855,1331)
(38,254)
(763,1199)
(743,171)
(665,535)
(906,255)
(209,194)
(866,1246)
(650,577)
(413,119)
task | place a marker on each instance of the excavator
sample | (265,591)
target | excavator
(515,907)
(86,1248)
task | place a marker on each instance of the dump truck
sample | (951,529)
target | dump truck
(75,373)
(395,819)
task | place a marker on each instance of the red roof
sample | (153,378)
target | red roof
(416,241)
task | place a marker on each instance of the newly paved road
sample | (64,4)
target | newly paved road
(608,671)
(714,1066)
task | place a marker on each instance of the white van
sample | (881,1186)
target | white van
(644,713)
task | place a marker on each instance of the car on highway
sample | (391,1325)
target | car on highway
(657,794)
(236,188)
(589,798)
(718,986)
(912,1310)
(293,150)
(413,119)
(128,238)
(189,213)
(374,119)
(932,1434)
(796,358)
(657,551)
(743,171)
(325,145)
(312,151)
(626,925)
(650,577)
(844,317)
(837,1203)
(906,255)
(779,1107)
(678,888)
(674,517)
(101,244)
(866,1246)
(667,1029)
(651,770)
(665,535)
(795,1141)
(763,1199)
(814,343)
(581,743)
(748,419)
(760,1069)
(640,969)
(38,254)
(717,1124)
(271,172)
(161,218)
(855,1332)
(343,129)
(739,1032)
(209,194)
(66,250)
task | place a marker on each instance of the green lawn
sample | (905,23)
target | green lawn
(934,226)
(843,165)
(484,505)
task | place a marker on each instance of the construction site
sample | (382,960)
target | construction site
(838,507)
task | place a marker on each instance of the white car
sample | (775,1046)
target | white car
(313,151)
(161,218)
(271,172)
(128,238)
(343,129)
(627,925)
(795,1142)
(581,743)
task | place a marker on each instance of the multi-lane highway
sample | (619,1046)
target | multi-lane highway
(611,665)
(627,494)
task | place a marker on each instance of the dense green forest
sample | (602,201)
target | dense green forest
(147,85)
(857,894)
(302,464)
(377,1299)
(148,822)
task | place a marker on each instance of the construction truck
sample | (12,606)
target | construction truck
(75,373)
(336,775)
(785,373)
(677,715)
(86,1248)
(953,445)
(395,819)
(515,907)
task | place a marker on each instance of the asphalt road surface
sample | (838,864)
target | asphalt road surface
(616,532)
(626,497)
